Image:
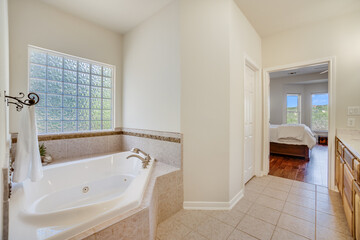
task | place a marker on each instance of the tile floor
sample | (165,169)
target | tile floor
(272,208)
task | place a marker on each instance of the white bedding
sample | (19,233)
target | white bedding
(290,134)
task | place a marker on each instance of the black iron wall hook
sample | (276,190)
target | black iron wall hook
(32,99)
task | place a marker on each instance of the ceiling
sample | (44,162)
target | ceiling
(267,16)
(272,16)
(318,68)
(117,15)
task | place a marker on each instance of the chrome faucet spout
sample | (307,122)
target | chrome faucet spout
(137,150)
(145,161)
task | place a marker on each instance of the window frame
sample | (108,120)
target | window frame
(311,112)
(77,58)
(298,106)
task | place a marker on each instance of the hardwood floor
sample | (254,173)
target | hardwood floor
(313,171)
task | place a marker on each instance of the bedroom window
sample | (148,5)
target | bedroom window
(76,94)
(293,109)
(319,111)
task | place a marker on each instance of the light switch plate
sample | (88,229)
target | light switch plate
(351,122)
(353,110)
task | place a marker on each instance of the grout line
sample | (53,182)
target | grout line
(246,232)
(293,232)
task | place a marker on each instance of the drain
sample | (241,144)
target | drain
(125,179)
(85,189)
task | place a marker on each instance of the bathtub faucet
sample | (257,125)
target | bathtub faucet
(136,150)
(145,161)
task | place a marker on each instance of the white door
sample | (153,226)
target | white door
(249,105)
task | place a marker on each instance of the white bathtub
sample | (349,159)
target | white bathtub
(76,196)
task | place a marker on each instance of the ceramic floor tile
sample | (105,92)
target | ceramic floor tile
(303,185)
(271,192)
(333,198)
(279,186)
(264,213)
(239,235)
(252,186)
(297,225)
(272,208)
(335,209)
(302,201)
(213,229)
(282,234)
(231,217)
(302,192)
(261,180)
(300,212)
(334,223)
(270,202)
(194,236)
(251,196)
(323,233)
(256,227)
(243,205)
(282,180)
(172,229)
(191,218)
(322,189)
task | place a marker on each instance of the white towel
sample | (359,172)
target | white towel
(27,160)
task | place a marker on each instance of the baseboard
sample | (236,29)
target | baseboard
(197,205)
(236,198)
(261,173)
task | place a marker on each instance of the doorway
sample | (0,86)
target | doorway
(294,115)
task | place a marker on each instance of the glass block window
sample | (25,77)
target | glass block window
(76,95)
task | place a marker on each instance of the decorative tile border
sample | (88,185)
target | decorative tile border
(70,135)
(135,133)
(155,137)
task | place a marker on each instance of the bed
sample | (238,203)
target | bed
(292,140)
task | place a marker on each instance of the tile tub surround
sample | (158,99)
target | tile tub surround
(164,146)
(141,223)
(272,208)
(62,149)
(166,152)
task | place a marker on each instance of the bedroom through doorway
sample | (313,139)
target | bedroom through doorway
(299,123)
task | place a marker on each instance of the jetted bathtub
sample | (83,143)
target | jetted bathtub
(77,195)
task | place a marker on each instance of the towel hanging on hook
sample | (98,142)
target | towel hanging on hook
(32,99)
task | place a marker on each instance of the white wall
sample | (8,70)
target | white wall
(205,99)
(151,73)
(244,42)
(338,37)
(213,46)
(279,87)
(4,86)
(35,23)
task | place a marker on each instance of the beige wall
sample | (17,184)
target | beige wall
(244,42)
(35,23)
(213,46)
(205,98)
(151,73)
(337,37)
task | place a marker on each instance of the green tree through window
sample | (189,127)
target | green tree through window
(319,111)
(293,112)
